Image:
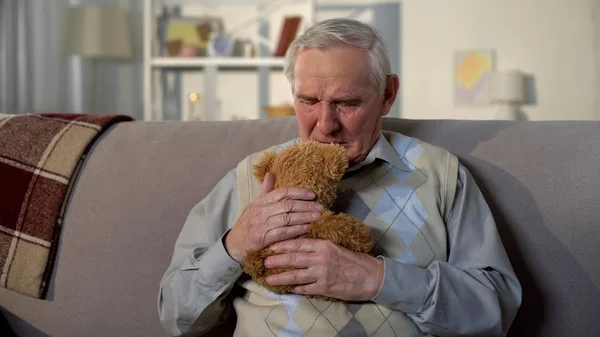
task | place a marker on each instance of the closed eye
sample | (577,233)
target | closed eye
(308,101)
(348,105)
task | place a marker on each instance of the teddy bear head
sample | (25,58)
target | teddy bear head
(312,165)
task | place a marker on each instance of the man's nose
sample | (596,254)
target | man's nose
(328,119)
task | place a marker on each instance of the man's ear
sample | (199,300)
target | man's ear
(392,85)
(264,165)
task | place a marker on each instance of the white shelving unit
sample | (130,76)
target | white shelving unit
(196,62)
(230,76)
(210,66)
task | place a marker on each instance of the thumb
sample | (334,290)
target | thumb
(268,184)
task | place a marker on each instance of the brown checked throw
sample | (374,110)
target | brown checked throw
(39,158)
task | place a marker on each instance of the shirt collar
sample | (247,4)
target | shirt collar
(382,150)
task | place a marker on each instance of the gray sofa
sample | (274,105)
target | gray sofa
(542,180)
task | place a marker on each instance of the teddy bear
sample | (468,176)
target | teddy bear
(318,167)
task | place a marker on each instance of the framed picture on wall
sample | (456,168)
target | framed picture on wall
(473,70)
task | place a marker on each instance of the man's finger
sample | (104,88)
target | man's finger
(292,206)
(297,245)
(298,276)
(268,184)
(290,260)
(291,219)
(288,193)
(285,233)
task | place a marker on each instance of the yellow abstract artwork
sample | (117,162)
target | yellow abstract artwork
(472,71)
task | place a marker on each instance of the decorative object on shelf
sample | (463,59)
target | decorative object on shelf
(472,72)
(274,111)
(184,40)
(195,106)
(167,48)
(97,32)
(173,47)
(204,31)
(243,48)
(507,92)
(249,50)
(220,44)
(190,36)
(288,34)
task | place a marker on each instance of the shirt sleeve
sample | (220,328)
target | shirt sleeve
(474,293)
(193,289)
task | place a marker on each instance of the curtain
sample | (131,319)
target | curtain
(37,76)
(34,74)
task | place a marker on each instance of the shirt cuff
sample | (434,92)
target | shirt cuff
(215,267)
(404,286)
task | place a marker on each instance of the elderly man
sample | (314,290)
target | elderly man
(441,269)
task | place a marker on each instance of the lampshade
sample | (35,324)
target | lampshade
(507,87)
(98,31)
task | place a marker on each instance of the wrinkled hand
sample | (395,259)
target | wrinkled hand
(274,215)
(324,268)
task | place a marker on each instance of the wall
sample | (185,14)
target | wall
(553,40)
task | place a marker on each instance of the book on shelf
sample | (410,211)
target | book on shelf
(288,34)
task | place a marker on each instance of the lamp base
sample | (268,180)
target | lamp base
(507,112)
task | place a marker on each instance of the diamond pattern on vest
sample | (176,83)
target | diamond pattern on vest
(354,328)
(397,216)
(311,317)
(351,205)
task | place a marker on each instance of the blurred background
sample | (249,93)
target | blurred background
(222,59)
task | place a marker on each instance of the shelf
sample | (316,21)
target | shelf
(258,21)
(230,62)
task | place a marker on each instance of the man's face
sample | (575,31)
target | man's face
(336,102)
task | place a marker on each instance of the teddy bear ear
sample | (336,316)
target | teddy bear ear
(336,163)
(264,165)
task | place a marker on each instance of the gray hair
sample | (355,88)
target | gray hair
(343,32)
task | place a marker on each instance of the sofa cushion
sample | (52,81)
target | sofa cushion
(142,179)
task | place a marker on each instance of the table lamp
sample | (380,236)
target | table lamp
(96,32)
(507,91)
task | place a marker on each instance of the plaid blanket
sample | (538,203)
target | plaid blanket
(39,158)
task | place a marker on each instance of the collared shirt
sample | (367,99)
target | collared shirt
(193,292)
(382,150)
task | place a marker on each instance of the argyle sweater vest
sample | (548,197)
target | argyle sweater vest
(406,209)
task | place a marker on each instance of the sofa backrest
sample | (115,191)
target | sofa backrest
(542,182)
(141,179)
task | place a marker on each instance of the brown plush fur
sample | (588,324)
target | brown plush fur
(319,168)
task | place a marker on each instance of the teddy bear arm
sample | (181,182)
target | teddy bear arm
(254,265)
(344,230)
(264,165)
